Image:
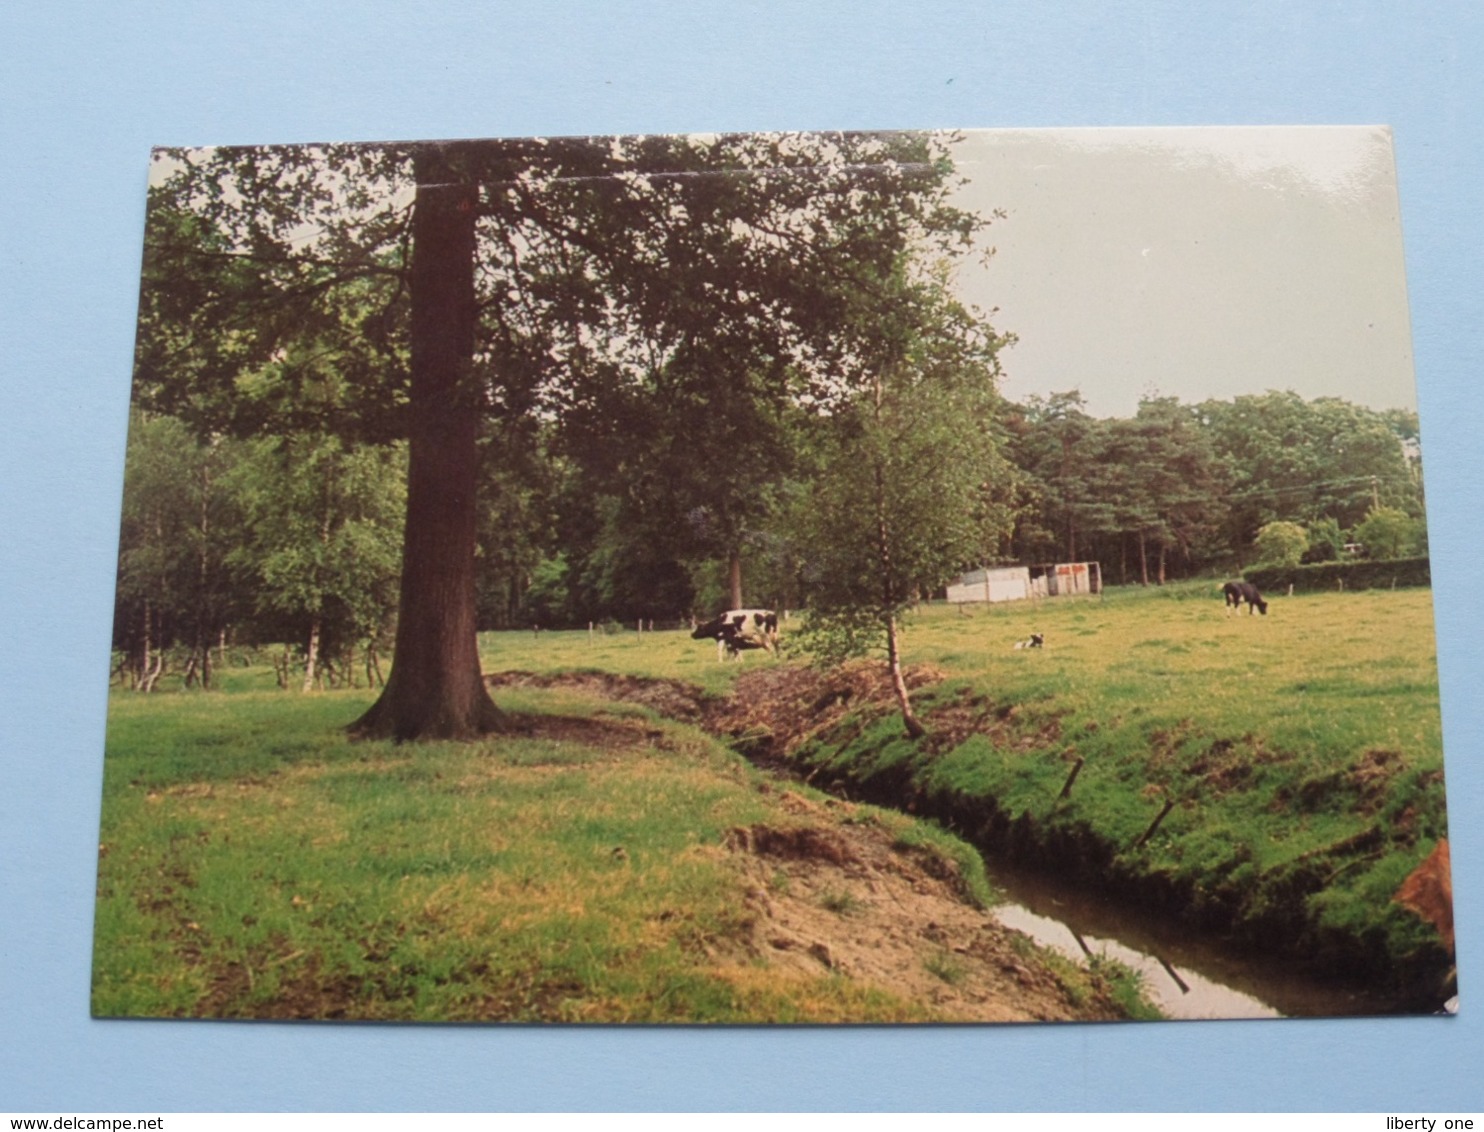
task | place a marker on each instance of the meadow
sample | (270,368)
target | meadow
(1272,779)
(255,863)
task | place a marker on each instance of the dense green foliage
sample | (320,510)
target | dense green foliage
(290,541)
(599,349)
(1364,575)
(1281,543)
(1389,532)
(1179,489)
(908,477)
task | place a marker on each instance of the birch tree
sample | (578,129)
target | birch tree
(911,481)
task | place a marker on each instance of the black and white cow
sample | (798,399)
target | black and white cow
(1034,641)
(739,629)
(1238,592)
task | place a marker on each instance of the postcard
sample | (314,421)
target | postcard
(944,576)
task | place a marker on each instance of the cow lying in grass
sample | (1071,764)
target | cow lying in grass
(1238,592)
(1034,641)
(737,630)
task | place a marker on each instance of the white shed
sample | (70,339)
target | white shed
(1007,583)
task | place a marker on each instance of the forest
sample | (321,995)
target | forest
(641,380)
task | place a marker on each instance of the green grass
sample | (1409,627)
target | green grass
(946,966)
(254,863)
(666,653)
(1302,750)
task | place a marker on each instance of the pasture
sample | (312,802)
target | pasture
(1322,673)
(1297,756)
(255,863)
(602,864)
(1296,760)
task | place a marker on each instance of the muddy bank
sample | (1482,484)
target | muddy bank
(839,891)
(674,699)
(839,894)
(835,730)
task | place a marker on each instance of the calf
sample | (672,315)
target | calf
(1034,641)
(739,629)
(1238,592)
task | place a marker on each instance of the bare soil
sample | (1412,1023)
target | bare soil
(832,891)
(674,699)
(836,894)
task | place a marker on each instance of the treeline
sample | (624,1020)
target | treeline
(253,543)
(653,517)
(1180,489)
(1174,491)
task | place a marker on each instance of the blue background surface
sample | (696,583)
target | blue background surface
(86,89)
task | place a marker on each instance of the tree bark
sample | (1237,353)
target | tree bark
(311,655)
(899,685)
(734,579)
(202,634)
(889,591)
(436,689)
(143,684)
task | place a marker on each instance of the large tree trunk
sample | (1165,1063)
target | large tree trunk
(436,690)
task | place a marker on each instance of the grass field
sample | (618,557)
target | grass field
(1323,672)
(1300,753)
(254,863)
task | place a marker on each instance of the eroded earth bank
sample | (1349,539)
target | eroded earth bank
(836,891)
(911,928)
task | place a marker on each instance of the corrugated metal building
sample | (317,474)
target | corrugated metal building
(1016,583)
(1010,583)
(1066,578)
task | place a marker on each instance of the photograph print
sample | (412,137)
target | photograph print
(894,577)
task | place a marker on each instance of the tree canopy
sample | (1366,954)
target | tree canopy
(604,285)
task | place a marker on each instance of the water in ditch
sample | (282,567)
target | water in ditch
(1185,976)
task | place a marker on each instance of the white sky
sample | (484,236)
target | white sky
(1193,262)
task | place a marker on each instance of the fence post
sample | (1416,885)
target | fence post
(1148,833)
(1071,778)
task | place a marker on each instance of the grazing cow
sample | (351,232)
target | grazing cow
(1238,592)
(739,629)
(1034,641)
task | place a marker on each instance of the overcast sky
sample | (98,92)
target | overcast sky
(1193,262)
